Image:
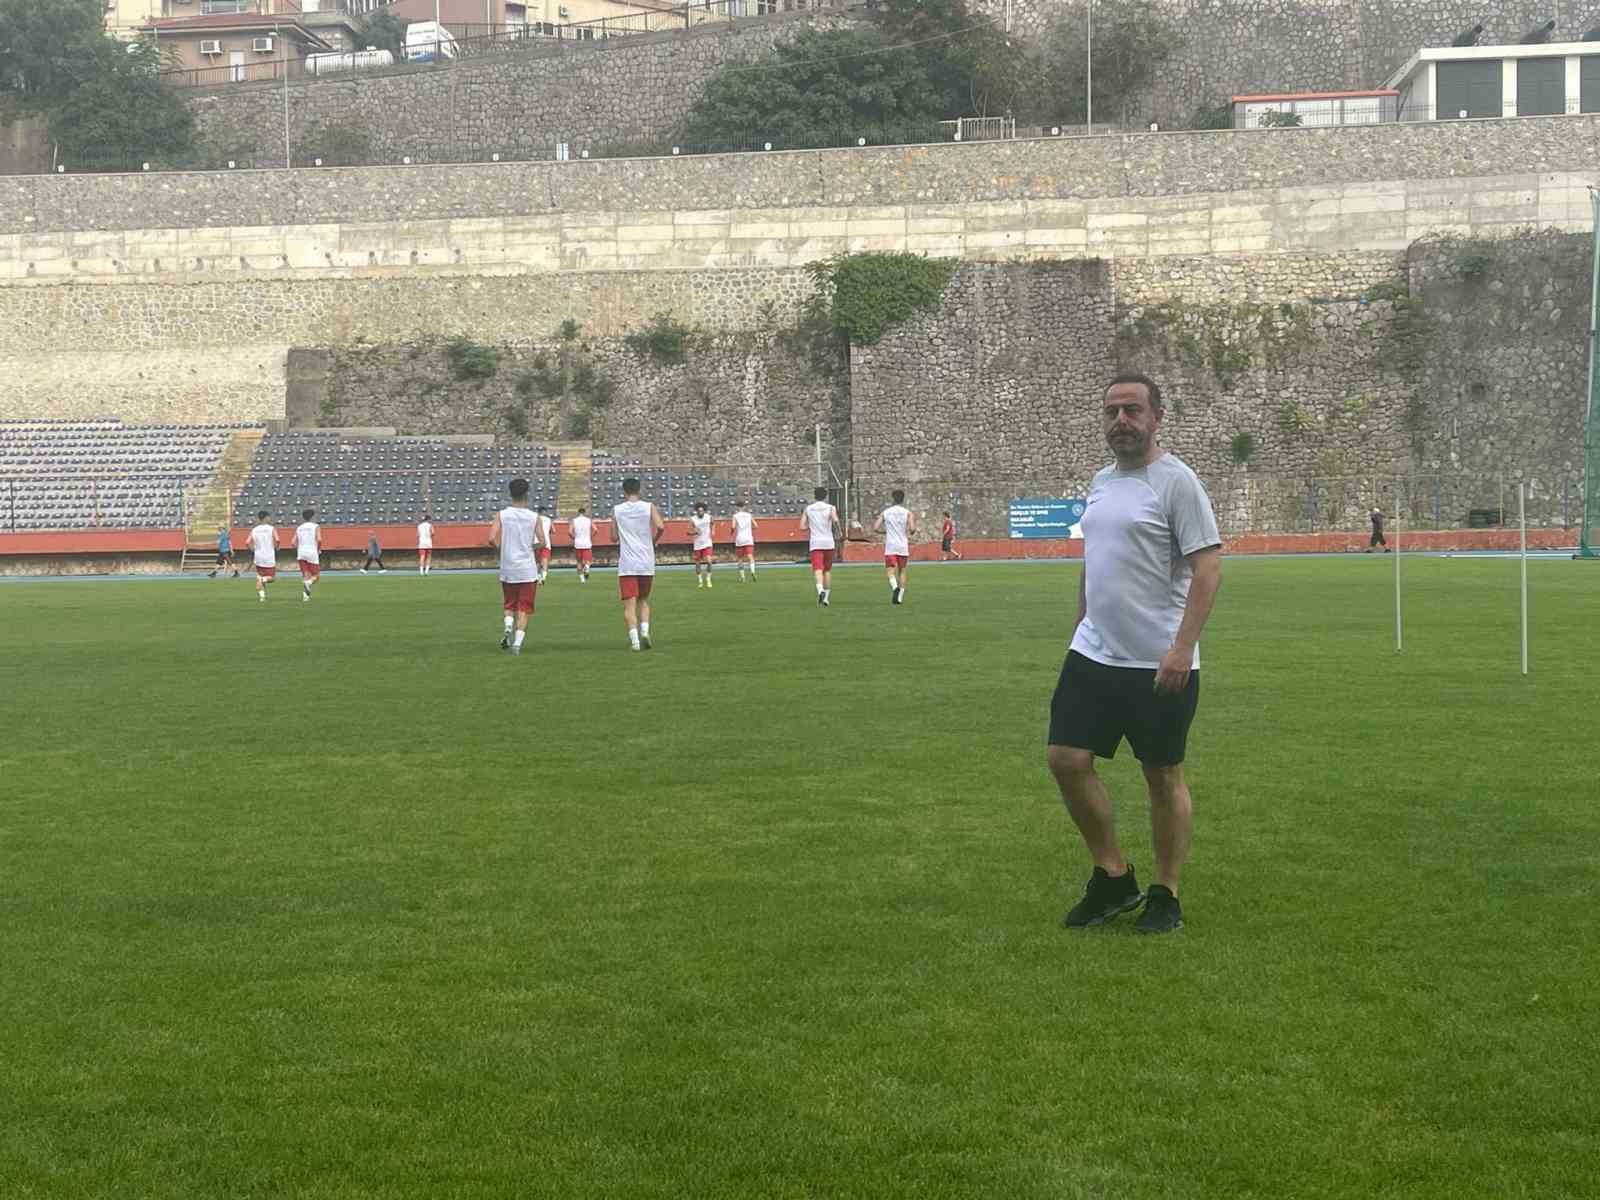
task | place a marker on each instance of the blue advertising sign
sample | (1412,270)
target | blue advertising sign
(1044,518)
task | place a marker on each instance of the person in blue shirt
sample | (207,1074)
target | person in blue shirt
(224,554)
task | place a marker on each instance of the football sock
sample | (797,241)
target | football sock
(644,628)
(633,637)
(517,641)
(510,621)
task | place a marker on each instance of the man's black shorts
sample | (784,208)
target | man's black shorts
(1096,706)
(945,545)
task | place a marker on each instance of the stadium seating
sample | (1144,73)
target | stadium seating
(388,480)
(102,473)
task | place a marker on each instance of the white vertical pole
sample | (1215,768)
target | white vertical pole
(1397,525)
(818,432)
(1522,518)
(1088,74)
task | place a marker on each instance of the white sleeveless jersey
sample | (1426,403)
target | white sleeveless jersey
(305,542)
(744,533)
(544,531)
(425,536)
(636,548)
(702,531)
(896,530)
(263,542)
(819,520)
(582,533)
(516,546)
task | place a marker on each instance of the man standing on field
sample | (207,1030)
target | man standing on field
(704,554)
(583,543)
(947,539)
(224,553)
(515,531)
(425,544)
(744,540)
(1152,562)
(308,549)
(820,523)
(264,546)
(897,523)
(639,527)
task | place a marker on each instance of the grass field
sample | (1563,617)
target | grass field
(336,900)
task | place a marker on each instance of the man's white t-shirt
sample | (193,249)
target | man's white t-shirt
(425,536)
(820,517)
(582,533)
(305,542)
(1138,529)
(744,533)
(636,548)
(263,541)
(544,531)
(517,564)
(702,531)
(896,530)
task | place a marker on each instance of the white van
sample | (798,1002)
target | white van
(348,60)
(429,41)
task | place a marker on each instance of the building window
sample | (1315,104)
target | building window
(1473,88)
(1541,87)
(1589,83)
(210,8)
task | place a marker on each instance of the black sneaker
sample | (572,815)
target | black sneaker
(1162,912)
(1106,897)
(505,642)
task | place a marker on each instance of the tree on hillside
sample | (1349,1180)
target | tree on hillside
(1132,39)
(384,31)
(975,67)
(117,113)
(820,89)
(39,42)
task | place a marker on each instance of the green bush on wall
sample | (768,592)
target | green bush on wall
(869,293)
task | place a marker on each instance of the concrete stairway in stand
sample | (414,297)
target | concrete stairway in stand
(577,472)
(211,509)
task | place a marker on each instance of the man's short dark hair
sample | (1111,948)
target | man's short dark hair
(519,489)
(630,486)
(582,510)
(427,516)
(820,493)
(262,515)
(898,496)
(307,513)
(539,509)
(699,503)
(1151,387)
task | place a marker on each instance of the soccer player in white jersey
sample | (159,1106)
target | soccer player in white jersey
(744,540)
(639,527)
(1152,562)
(264,547)
(308,550)
(425,544)
(897,523)
(583,543)
(820,524)
(704,542)
(545,524)
(516,532)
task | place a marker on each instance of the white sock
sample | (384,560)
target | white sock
(633,637)
(644,628)
(517,641)
(821,591)
(509,622)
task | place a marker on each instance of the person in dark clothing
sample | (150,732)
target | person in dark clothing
(374,554)
(1376,517)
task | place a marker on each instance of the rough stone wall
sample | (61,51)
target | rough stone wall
(1235,47)
(519,103)
(195,385)
(744,400)
(1120,168)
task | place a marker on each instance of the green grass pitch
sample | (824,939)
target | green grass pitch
(337,900)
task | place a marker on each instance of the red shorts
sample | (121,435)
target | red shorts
(822,560)
(424,551)
(896,560)
(544,554)
(745,551)
(518,597)
(266,572)
(635,587)
(310,570)
(704,556)
(585,557)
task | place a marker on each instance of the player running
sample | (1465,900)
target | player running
(820,523)
(308,549)
(639,527)
(516,532)
(583,543)
(744,540)
(224,554)
(704,543)
(897,523)
(425,544)
(264,547)
(544,543)
(947,540)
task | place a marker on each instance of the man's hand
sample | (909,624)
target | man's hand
(1172,676)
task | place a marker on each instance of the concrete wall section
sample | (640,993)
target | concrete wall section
(210,383)
(1130,166)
